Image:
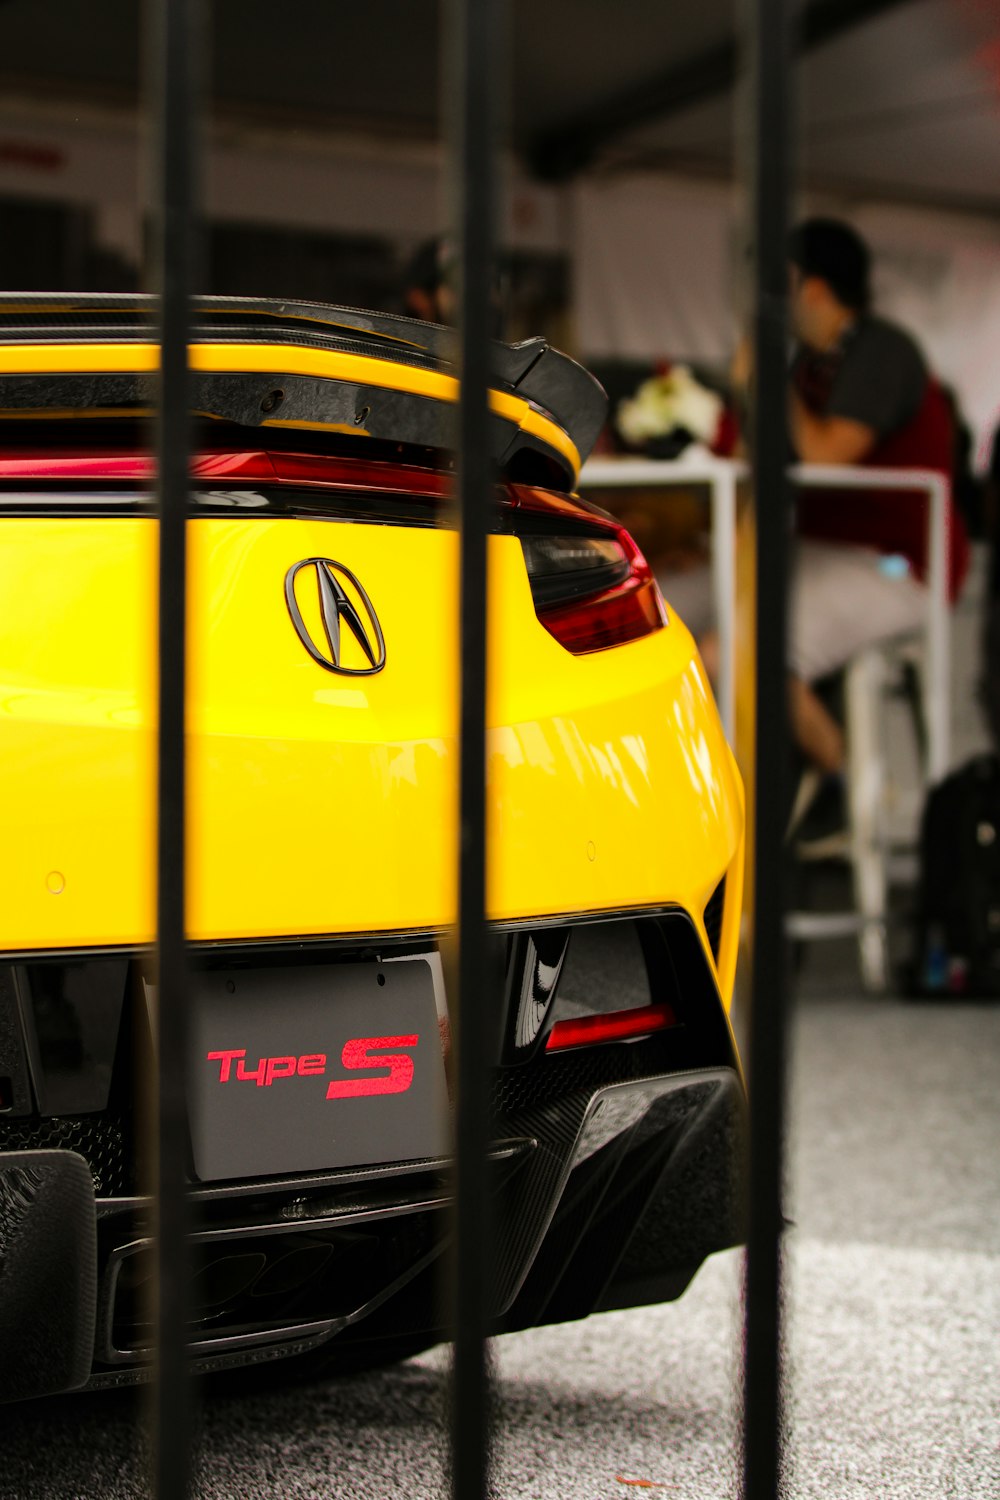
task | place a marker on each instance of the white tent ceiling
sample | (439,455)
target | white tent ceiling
(899,98)
(905,106)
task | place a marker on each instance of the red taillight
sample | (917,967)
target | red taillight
(591,585)
(617,1026)
(632,609)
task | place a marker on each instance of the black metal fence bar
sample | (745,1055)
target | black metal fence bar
(763,1428)
(174,41)
(473,82)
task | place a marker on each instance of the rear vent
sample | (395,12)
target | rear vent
(104,1141)
(713,917)
(604,971)
(603,990)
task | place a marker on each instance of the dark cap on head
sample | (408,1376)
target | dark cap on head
(836,254)
(432,264)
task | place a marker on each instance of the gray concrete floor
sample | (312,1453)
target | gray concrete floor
(893,1324)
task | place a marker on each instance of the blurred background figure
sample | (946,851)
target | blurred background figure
(991,631)
(860,393)
(429,292)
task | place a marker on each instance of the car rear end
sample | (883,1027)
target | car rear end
(321,721)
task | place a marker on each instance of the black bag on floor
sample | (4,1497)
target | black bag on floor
(958,928)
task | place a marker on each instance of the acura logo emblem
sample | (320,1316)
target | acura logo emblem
(337,607)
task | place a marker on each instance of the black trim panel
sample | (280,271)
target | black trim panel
(260,404)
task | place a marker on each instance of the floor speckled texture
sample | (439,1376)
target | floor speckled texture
(893,1334)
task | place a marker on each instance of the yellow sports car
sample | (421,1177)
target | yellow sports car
(322,723)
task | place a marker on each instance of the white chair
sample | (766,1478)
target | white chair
(865,679)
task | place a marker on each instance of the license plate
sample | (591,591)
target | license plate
(316,1068)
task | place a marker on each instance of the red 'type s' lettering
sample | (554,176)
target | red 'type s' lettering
(360,1054)
(225,1061)
(312,1063)
(257,1074)
(278,1067)
(268,1068)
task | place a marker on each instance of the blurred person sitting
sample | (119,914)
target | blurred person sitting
(860,393)
(991,623)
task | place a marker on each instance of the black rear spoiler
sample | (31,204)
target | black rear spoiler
(533,370)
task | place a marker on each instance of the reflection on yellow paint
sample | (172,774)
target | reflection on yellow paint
(620,773)
(575,750)
(635,749)
(402,764)
(55,705)
(342,697)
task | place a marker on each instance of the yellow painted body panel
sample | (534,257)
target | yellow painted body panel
(324,804)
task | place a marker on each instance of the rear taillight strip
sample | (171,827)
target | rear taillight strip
(615,1026)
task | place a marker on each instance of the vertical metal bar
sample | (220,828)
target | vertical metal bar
(473,82)
(937,712)
(173,39)
(723,503)
(763,1428)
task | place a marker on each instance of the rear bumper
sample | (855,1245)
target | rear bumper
(616,1170)
(615,1200)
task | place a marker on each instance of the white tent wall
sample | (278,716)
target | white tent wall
(657,271)
(653,263)
(87,158)
(939,275)
(356,184)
